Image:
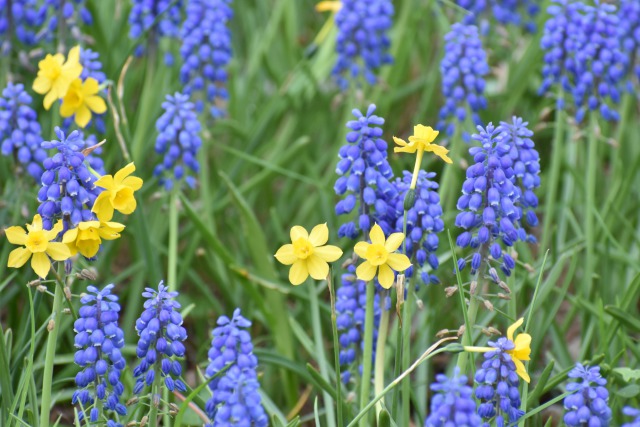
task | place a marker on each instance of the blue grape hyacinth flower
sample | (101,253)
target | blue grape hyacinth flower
(452,403)
(144,13)
(178,141)
(235,400)
(629,29)
(364,176)
(631,412)
(68,191)
(206,53)
(99,342)
(362,43)
(521,13)
(463,69)
(160,345)
(73,12)
(21,19)
(20,133)
(588,405)
(497,385)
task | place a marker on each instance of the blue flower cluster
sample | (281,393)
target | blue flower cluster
(144,13)
(362,43)
(489,205)
(629,24)
(25,17)
(19,129)
(99,341)
(206,51)
(68,191)
(423,221)
(235,399)
(452,403)
(521,13)
(463,68)
(364,176)
(161,340)
(631,412)
(178,141)
(588,405)
(583,54)
(497,385)
(351,302)
(72,11)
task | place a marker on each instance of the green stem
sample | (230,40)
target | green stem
(407,316)
(153,412)
(320,354)
(336,348)
(378,376)
(50,355)
(590,188)
(173,241)
(557,157)
(365,386)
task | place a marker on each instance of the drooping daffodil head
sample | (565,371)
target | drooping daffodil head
(380,258)
(522,349)
(55,75)
(308,254)
(422,140)
(87,237)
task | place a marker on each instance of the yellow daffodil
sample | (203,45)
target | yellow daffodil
(380,258)
(521,351)
(55,75)
(117,194)
(328,6)
(88,235)
(82,99)
(38,245)
(421,141)
(308,254)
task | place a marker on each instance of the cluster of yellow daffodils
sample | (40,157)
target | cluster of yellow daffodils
(41,246)
(60,79)
(309,255)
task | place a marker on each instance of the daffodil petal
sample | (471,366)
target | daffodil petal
(133,182)
(376,235)
(318,268)
(385,276)
(407,149)
(298,272)
(106,182)
(89,248)
(285,255)
(319,235)
(398,262)
(96,104)
(124,172)
(103,208)
(522,348)
(298,232)
(366,271)
(328,253)
(401,142)
(41,85)
(521,370)
(40,264)
(16,235)
(18,257)
(83,116)
(36,224)
(440,152)
(361,249)
(58,251)
(513,328)
(49,99)
(66,110)
(393,242)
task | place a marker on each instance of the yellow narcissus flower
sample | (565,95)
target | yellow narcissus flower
(328,6)
(38,245)
(88,235)
(55,75)
(380,258)
(82,99)
(117,194)
(308,254)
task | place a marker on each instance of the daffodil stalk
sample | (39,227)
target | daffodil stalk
(172,274)
(590,187)
(365,385)
(326,6)
(336,347)
(383,329)
(50,353)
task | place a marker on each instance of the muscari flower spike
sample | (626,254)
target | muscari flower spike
(99,341)
(235,400)
(206,53)
(452,403)
(488,206)
(26,17)
(463,68)
(73,12)
(362,43)
(497,379)
(351,302)
(20,133)
(364,176)
(521,13)
(631,412)
(629,25)
(160,345)
(588,405)
(144,13)
(68,187)
(584,56)
(178,141)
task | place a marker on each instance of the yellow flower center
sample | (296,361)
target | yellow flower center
(36,241)
(302,248)
(377,254)
(52,69)
(74,98)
